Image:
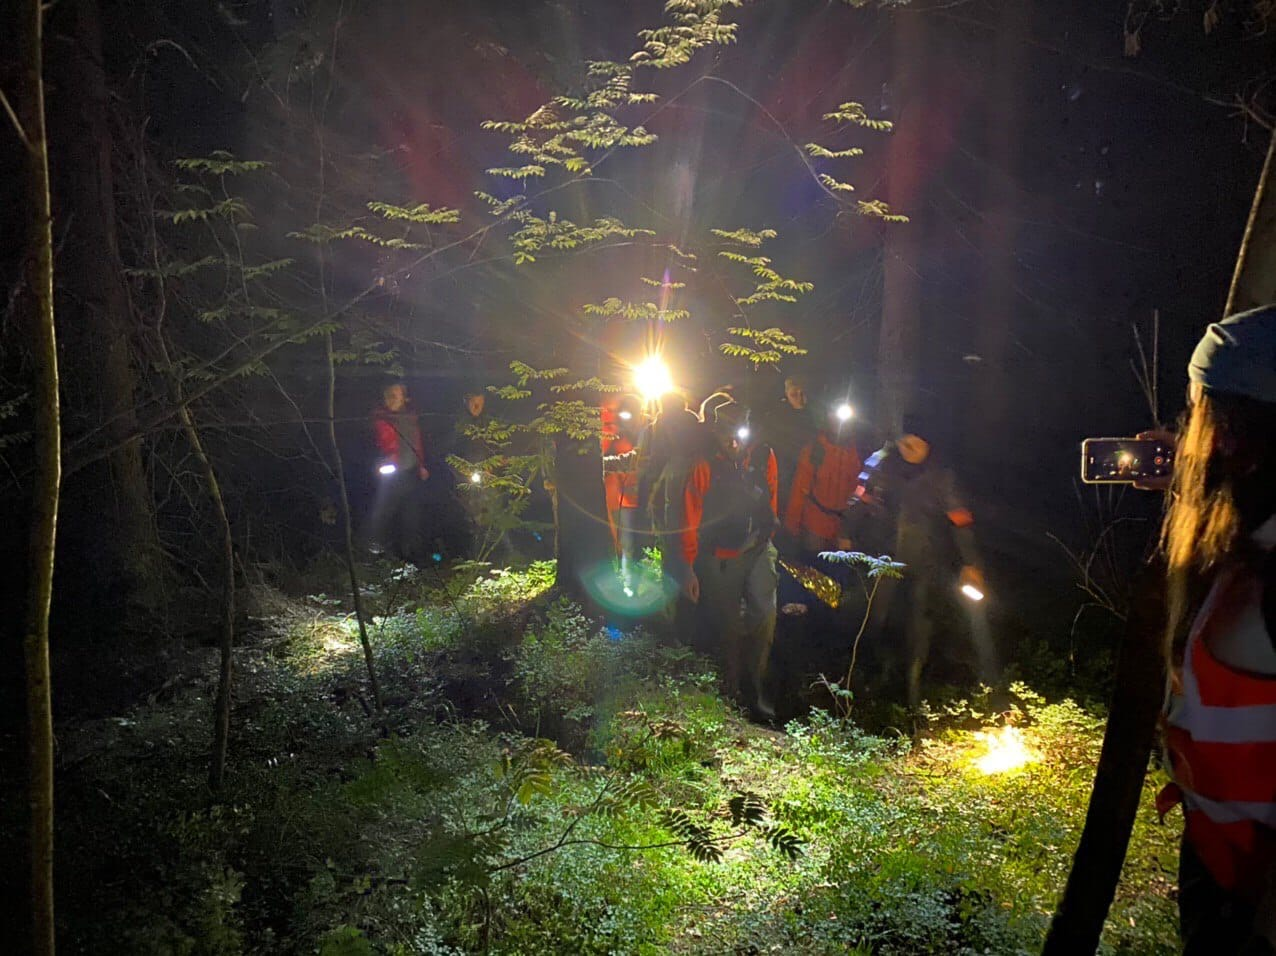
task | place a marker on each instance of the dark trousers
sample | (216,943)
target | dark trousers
(1212,921)
(907,603)
(738,598)
(396,516)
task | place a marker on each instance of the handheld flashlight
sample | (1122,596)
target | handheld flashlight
(844,412)
(388,468)
(476,478)
(972,592)
(742,433)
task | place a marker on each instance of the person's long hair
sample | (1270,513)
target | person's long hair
(1224,488)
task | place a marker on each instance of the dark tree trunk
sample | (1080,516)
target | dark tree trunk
(582,534)
(48,452)
(339,472)
(1254,282)
(107,510)
(996,307)
(1118,780)
(900,331)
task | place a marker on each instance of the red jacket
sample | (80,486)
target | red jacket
(698,483)
(823,483)
(391,429)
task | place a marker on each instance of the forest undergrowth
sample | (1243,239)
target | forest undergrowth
(540,783)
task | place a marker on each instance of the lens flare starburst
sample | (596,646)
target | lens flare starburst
(652,378)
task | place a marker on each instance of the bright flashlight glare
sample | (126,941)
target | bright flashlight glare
(387,469)
(652,378)
(972,592)
(742,433)
(845,413)
(476,478)
(1006,751)
(625,416)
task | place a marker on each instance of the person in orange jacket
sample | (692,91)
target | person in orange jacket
(622,424)
(825,478)
(729,510)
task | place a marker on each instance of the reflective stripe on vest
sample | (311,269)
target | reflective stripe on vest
(1221,743)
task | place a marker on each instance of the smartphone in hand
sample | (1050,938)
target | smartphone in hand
(1125,460)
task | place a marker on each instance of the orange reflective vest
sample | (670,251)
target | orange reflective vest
(1220,732)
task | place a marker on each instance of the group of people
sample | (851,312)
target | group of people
(722,491)
(726,490)
(413,518)
(720,488)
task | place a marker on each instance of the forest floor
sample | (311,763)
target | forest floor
(539,783)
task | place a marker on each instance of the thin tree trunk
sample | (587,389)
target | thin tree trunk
(29,120)
(338,464)
(1254,282)
(339,473)
(226,643)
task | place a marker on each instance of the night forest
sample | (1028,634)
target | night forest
(371,591)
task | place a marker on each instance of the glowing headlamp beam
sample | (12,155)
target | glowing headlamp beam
(844,412)
(742,433)
(387,469)
(652,378)
(476,478)
(972,592)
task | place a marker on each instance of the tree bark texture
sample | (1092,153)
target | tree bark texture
(1118,780)
(1254,282)
(44,504)
(108,509)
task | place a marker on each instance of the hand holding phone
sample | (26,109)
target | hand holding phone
(1146,461)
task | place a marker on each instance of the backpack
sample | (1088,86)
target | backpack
(679,452)
(737,506)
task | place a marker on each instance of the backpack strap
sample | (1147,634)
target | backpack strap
(816,458)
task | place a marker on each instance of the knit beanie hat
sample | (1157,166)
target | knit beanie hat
(1238,356)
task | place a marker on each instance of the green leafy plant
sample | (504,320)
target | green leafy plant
(871,572)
